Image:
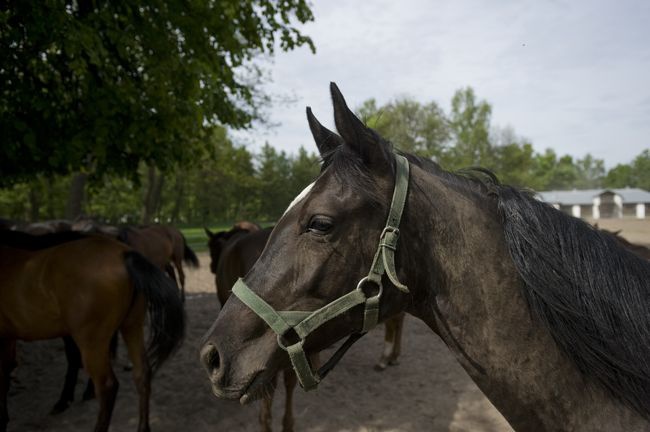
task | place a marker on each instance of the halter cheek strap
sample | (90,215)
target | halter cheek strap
(304,323)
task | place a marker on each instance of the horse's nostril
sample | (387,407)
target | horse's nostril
(210,358)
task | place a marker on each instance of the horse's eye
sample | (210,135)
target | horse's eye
(320,225)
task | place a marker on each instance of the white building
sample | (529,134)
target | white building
(600,203)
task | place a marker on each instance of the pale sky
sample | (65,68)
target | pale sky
(570,75)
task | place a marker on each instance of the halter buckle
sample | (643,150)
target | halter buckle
(365,280)
(389,237)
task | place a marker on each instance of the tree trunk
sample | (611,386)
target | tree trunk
(34,202)
(156,198)
(49,199)
(153,195)
(74,207)
(179,186)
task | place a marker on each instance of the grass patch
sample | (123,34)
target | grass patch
(197,239)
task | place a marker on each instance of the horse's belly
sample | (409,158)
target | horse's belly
(29,315)
(28,328)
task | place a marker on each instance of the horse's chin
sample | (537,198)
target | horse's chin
(260,386)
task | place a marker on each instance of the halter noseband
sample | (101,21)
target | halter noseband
(305,322)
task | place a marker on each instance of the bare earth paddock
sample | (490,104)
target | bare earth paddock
(427,391)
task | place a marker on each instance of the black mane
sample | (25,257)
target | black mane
(21,240)
(591,293)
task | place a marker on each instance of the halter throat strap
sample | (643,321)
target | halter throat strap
(304,323)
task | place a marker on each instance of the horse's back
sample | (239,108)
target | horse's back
(153,242)
(44,293)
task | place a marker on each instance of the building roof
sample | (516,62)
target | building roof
(570,197)
(633,195)
(586,196)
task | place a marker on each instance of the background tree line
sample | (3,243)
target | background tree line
(229,182)
(122,111)
(465,137)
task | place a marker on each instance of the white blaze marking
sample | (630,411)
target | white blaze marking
(299,198)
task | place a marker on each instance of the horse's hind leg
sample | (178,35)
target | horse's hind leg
(132,332)
(181,277)
(266,416)
(290,380)
(7,364)
(97,361)
(73,356)
(169,269)
(392,342)
(89,392)
(180,283)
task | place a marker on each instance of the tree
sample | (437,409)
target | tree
(409,125)
(513,158)
(469,121)
(304,170)
(274,183)
(635,174)
(99,87)
(591,172)
(641,169)
(619,177)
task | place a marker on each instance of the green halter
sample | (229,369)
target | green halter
(305,322)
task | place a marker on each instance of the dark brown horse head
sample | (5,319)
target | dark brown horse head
(320,249)
(218,240)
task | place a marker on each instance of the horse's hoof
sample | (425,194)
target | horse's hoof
(59,407)
(381,366)
(393,362)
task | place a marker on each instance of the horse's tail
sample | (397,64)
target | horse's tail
(166,314)
(189,256)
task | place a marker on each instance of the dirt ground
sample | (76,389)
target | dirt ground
(427,391)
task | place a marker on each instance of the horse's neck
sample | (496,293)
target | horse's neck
(471,296)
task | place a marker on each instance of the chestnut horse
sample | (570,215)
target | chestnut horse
(163,245)
(546,314)
(88,288)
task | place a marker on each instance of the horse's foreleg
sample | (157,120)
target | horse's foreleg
(7,364)
(98,364)
(133,336)
(265,410)
(397,340)
(392,342)
(73,356)
(290,381)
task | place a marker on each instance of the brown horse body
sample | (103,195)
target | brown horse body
(547,315)
(87,288)
(232,254)
(163,245)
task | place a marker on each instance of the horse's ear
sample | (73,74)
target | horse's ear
(361,139)
(326,140)
(209,233)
